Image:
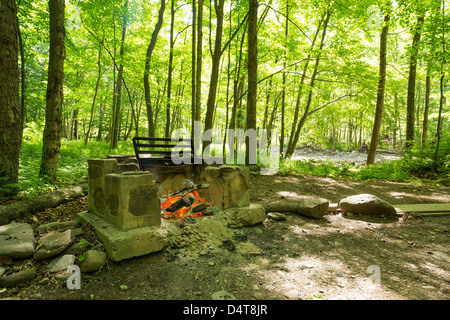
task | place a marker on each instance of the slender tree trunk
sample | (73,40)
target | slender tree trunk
(148,56)
(100,124)
(53,114)
(198,81)
(118,97)
(380,93)
(10,109)
(86,139)
(313,78)
(193,73)
(439,125)
(237,86)
(412,85)
(252,69)
(283,97)
(23,83)
(169,77)
(395,120)
(291,145)
(426,109)
(219,4)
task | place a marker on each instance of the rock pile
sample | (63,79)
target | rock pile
(49,249)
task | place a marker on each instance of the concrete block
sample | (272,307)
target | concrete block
(121,244)
(228,186)
(249,215)
(98,169)
(132,200)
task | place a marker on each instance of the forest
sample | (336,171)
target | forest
(80,79)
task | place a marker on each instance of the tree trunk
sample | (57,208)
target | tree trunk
(100,124)
(395,120)
(198,80)
(10,111)
(169,76)
(215,65)
(426,109)
(118,97)
(193,73)
(148,56)
(439,124)
(252,69)
(23,84)
(86,139)
(412,85)
(237,86)
(40,203)
(54,95)
(313,78)
(283,97)
(291,144)
(380,93)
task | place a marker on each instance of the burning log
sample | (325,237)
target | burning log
(180,203)
(200,207)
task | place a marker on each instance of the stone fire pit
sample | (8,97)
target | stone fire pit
(125,210)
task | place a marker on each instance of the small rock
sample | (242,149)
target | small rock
(63,275)
(61,263)
(250,215)
(222,295)
(276,216)
(44,281)
(17,278)
(93,261)
(292,294)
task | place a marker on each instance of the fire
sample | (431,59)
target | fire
(184,211)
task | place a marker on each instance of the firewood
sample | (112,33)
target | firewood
(180,203)
(311,207)
(186,190)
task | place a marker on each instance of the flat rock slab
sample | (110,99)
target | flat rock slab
(17,241)
(57,226)
(367,204)
(53,244)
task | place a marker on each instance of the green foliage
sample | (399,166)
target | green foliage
(406,169)
(72,163)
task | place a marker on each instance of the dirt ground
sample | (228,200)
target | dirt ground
(299,258)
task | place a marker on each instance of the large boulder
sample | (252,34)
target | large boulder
(366,204)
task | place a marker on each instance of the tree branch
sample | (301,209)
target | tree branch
(334,100)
